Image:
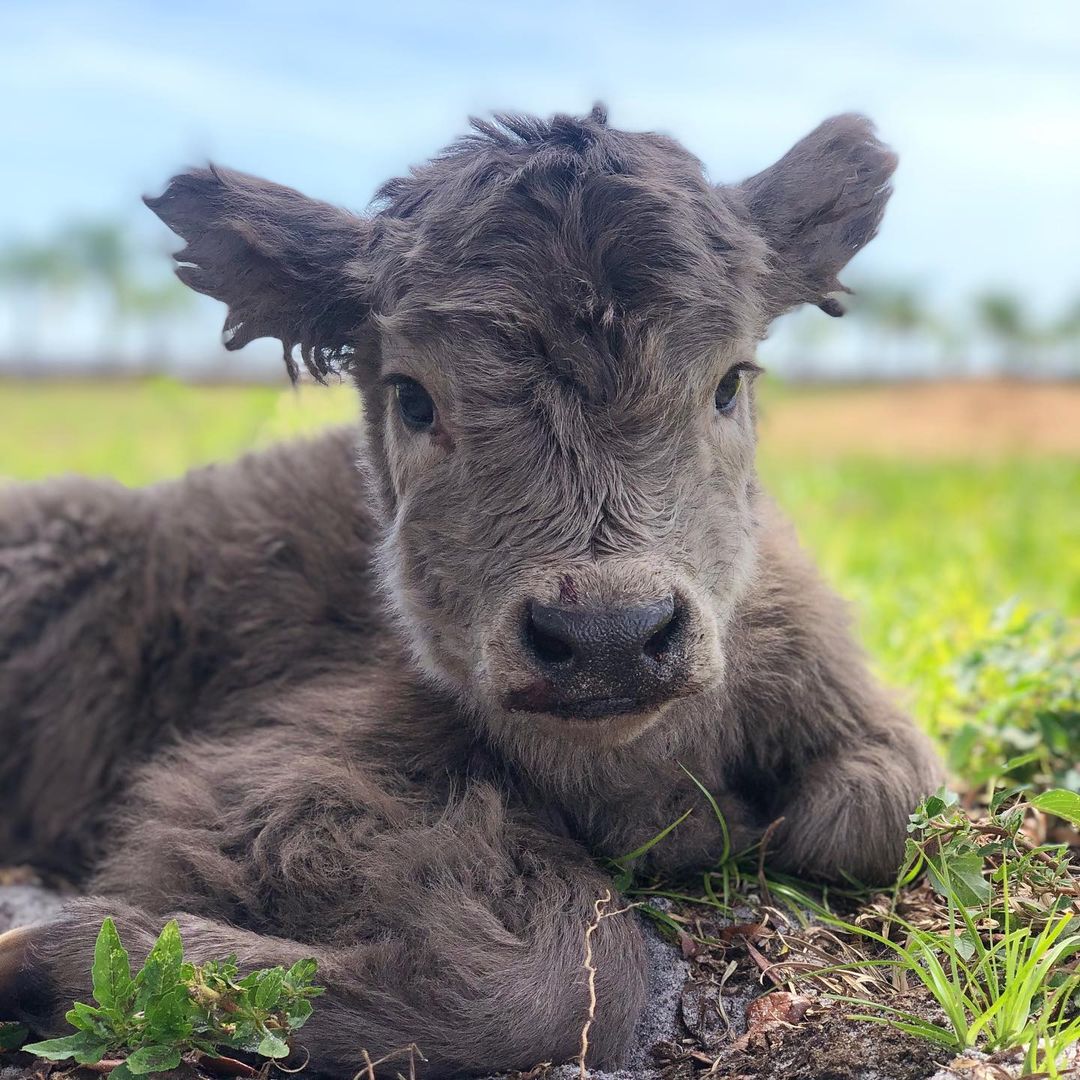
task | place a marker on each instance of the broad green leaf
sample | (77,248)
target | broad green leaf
(121,1072)
(1060,803)
(226,972)
(965,945)
(269,990)
(113,986)
(169,1015)
(245,1038)
(151,1059)
(85,1048)
(12,1036)
(297,1013)
(935,804)
(273,1046)
(163,966)
(1003,795)
(302,972)
(961,877)
(87,1018)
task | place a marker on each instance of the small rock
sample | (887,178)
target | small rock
(21,905)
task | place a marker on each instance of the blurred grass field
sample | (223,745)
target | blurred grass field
(926,529)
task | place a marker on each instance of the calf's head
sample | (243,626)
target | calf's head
(552,325)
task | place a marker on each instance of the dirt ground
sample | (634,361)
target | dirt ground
(926,420)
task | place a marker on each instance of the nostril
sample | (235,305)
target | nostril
(544,643)
(601,639)
(660,642)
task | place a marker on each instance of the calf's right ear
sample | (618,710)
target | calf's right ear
(287,266)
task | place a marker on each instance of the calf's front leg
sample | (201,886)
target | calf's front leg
(474,990)
(849,812)
(826,746)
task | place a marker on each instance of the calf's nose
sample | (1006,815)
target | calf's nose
(567,640)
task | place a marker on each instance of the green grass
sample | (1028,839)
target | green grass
(140,432)
(980,926)
(927,551)
(998,964)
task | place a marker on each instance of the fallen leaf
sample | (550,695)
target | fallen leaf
(741,932)
(769,1012)
(691,949)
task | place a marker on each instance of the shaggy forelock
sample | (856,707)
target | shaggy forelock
(551,231)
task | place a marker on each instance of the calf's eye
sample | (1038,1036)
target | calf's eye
(727,392)
(415,404)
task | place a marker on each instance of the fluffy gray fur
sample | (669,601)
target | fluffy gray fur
(276,698)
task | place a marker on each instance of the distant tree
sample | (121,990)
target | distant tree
(1067,333)
(1002,317)
(102,251)
(895,314)
(900,309)
(156,304)
(35,275)
(100,260)
(952,344)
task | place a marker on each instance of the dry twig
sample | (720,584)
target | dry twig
(599,914)
(368,1071)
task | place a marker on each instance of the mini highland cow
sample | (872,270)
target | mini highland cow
(390,699)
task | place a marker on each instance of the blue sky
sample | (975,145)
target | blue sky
(103,100)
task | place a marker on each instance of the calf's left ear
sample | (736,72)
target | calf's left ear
(816,207)
(287,266)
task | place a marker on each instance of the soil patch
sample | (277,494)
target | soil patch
(822,1048)
(992,418)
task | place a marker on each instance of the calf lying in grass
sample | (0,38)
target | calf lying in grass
(391,717)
